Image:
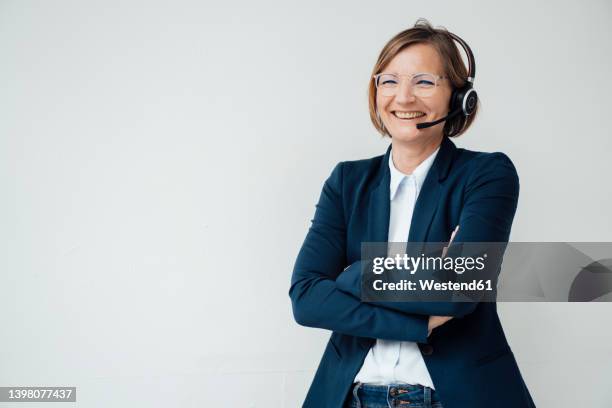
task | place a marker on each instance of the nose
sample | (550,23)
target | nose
(404,92)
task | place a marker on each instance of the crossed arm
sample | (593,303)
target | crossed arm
(324,296)
(315,297)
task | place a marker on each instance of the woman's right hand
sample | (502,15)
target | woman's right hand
(436,321)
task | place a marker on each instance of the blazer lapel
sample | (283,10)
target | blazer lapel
(427,202)
(379,204)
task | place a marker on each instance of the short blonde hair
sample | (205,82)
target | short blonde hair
(454,69)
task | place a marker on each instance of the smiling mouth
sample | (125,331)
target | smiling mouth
(408,115)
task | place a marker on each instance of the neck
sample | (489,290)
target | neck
(408,156)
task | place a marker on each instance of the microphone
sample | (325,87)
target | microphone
(451,115)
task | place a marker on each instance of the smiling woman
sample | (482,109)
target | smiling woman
(423,97)
(432,61)
(423,189)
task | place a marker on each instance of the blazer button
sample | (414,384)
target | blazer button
(393,391)
(427,349)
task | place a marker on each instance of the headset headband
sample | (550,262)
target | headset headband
(470,56)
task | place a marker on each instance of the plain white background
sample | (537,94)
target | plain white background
(160,162)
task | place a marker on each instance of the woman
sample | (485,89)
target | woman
(424,189)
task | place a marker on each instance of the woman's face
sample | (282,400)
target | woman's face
(416,58)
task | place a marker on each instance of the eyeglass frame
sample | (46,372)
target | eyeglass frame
(399,76)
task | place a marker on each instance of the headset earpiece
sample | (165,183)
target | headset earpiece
(464,99)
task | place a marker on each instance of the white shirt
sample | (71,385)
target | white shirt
(391,361)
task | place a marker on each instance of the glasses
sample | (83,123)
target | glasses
(421,84)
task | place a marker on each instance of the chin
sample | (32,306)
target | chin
(407,135)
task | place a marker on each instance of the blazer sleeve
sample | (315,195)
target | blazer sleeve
(490,202)
(315,298)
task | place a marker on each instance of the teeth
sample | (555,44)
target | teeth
(408,115)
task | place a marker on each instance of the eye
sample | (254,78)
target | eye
(389,82)
(425,82)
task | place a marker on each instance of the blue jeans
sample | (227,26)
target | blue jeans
(392,396)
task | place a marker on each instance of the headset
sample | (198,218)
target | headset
(463,100)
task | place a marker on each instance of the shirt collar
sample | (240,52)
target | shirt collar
(419,173)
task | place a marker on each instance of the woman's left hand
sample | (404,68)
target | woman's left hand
(436,321)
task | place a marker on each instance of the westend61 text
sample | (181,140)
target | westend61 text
(430,284)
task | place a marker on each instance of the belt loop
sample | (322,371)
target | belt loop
(355,394)
(427,397)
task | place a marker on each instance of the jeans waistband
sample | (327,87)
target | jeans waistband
(395,394)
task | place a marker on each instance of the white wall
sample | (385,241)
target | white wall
(160,162)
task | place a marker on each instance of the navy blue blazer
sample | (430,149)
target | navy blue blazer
(468,358)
